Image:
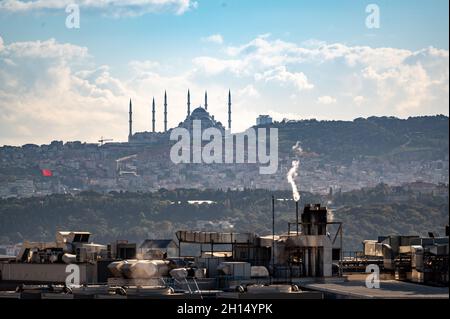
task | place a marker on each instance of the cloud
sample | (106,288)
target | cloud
(143,67)
(358,100)
(275,52)
(284,63)
(214,66)
(326,100)
(281,75)
(249,91)
(115,7)
(408,85)
(44,94)
(48,49)
(215,38)
(51,90)
(395,81)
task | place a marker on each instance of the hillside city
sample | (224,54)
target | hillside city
(142,164)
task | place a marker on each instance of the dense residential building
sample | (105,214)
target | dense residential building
(143,163)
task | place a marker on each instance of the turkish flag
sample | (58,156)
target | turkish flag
(47,173)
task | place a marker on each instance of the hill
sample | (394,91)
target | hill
(366,214)
(415,138)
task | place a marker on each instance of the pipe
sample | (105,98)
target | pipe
(296,216)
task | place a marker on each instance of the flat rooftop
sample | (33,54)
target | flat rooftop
(355,287)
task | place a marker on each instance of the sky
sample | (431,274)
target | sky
(289,59)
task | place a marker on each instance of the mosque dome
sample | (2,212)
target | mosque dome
(201,114)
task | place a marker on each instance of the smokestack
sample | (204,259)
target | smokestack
(296,216)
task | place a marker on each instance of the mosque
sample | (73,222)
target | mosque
(200,113)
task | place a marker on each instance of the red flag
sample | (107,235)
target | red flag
(47,172)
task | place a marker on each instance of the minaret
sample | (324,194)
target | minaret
(165,111)
(229,110)
(189,104)
(153,115)
(130,122)
(206,100)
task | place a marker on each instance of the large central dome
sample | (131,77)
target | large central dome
(200,114)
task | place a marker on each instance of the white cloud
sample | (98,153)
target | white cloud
(359,99)
(214,66)
(143,67)
(267,52)
(249,91)
(407,85)
(281,75)
(55,91)
(51,90)
(395,81)
(326,100)
(116,7)
(48,49)
(215,38)
(43,97)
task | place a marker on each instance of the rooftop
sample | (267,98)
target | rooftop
(355,287)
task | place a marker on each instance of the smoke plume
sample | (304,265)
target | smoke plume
(297,149)
(291,176)
(293,172)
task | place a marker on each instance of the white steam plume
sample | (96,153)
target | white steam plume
(293,172)
(290,177)
(297,149)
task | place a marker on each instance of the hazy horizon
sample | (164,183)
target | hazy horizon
(96,141)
